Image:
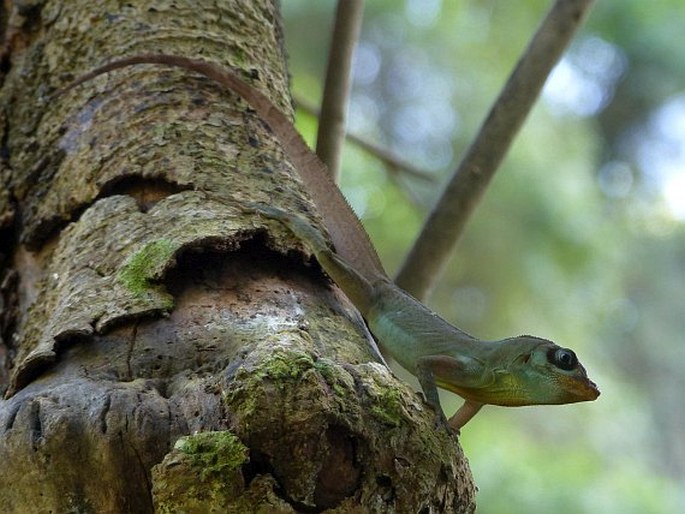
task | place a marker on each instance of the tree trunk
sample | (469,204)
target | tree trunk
(163,350)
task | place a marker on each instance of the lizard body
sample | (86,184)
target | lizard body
(523,370)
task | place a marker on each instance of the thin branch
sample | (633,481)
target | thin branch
(449,216)
(393,163)
(329,140)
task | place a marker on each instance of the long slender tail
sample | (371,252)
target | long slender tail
(357,288)
(351,241)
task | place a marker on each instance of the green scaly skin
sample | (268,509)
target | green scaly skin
(523,370)
(516,371)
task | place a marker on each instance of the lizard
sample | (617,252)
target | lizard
(515,371)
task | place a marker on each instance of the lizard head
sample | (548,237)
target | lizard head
(525,370)
(540,372)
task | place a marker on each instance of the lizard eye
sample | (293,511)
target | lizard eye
(562,358)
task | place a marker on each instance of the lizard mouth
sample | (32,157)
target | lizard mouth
(593,389)
(587,390)
(578,389)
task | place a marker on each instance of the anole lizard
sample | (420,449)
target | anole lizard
(523,370)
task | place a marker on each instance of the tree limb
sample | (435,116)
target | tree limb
(393,163)
(446,222)
(331,135)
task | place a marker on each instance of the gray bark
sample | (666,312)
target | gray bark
(164,351)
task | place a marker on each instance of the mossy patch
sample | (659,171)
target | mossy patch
(280,369)
(332,373)
(388,407)
(146,265)
(214,453)
(286,366)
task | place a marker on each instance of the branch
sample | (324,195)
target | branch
(449,216)
(329,141)
(389,159)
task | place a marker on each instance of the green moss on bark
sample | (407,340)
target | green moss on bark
(213,453)
(144,266)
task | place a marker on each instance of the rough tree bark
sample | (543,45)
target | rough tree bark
(161,349)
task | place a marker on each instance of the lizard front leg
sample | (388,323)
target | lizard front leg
(464,414)
(424,373)
(452,373)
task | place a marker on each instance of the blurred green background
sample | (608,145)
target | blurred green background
(580,239)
